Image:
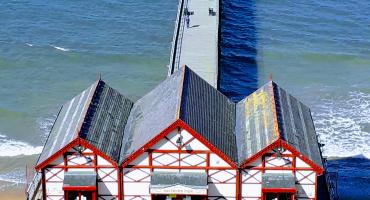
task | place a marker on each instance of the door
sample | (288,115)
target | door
(279,196)
(80,195)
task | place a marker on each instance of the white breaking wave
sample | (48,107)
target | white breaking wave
(28,44)
(60,48)
(343,125)
(45,125)
(10,147)
(14,178)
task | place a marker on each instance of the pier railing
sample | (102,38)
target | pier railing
(177,38)
(331,182)
(33,188)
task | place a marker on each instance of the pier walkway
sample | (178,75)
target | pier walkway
(197,45)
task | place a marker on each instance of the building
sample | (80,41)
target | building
(183,140)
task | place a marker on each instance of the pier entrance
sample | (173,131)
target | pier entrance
(79,195)
(279,196)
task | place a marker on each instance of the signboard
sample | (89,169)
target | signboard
(178,189)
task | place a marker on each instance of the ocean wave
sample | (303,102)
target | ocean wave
(60,48)
(11,147)
(29,44)
(12,179)
(343,125)
(45,125)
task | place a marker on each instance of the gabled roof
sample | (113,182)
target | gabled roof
(270,114)
(112,124)
(98,115)
(187,97)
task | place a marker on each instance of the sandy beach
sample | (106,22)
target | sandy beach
(11,192)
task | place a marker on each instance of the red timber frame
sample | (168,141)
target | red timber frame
(69,163)
(176,158)
(291,165)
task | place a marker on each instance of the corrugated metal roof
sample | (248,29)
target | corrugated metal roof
(67,123)
(278,180)
(271,113)
(106,119)
(188,179)
(79,178)
(183,95)
(255,128)
(210,113)
(151,114)
(296,125)
(98,114)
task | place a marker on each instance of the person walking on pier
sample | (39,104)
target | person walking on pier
(187,20)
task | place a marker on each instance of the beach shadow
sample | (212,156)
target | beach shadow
(238,71)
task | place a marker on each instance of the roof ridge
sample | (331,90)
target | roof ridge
(86,109)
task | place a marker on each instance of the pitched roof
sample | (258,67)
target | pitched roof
(255,128)
(296,125)
(270,114)
(106,119)
(118,127)
(98,114)
(186,96)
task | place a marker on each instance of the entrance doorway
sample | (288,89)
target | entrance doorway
(279,196)
(80,195)
(178,197)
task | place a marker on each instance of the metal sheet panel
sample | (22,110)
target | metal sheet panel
(255,128)
(105,121)
(189,179)
(296,124)
(210,113)
(79,178)
(151,114)
(67,123)
(278,180)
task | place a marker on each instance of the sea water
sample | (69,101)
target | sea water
(52,50)
(317,50)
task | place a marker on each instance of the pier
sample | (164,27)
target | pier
(197,45)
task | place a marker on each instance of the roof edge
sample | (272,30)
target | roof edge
(320,170)
(149,144)
(231,162)
(57,154)
(97,151)
(259,154)
(87,106)
(276,124)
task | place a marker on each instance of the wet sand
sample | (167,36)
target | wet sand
(11,192)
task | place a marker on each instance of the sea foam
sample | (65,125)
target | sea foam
(11,147)
(60,48)
(343,125)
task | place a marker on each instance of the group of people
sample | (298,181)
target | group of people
(187,14)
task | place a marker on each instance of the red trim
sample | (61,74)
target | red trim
(207,144)
(165,132)
(319,170)
(78,141)
(98,152)
(56,155)
(279,190)
(238,185)
(259,154)
(79,188)
(282,143)
(141,150)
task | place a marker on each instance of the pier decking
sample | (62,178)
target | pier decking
(197,45)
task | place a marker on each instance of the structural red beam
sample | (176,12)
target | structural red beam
(79,188)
